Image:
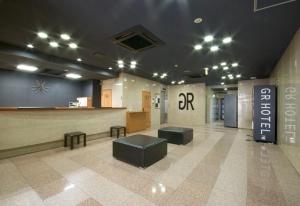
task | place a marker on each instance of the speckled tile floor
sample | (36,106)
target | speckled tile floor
(218,168)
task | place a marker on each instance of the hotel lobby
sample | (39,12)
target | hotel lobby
(149,103)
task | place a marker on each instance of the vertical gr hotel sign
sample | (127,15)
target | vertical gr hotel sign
(264,113)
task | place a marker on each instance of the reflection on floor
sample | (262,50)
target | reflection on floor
(218,168)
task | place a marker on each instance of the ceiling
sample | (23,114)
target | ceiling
(259,38)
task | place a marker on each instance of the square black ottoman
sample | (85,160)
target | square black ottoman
(176,135)
(140,150)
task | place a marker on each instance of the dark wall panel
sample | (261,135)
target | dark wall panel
(17,90)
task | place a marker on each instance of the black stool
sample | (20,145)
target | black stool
(73,135)
(118,128)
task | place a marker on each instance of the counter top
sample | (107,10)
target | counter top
(56,108)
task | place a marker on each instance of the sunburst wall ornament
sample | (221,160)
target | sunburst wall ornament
(40,87)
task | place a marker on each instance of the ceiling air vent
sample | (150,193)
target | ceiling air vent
(194,76)
(52,72)
(137,39)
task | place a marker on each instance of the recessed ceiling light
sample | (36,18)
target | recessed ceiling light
(79,59)
(227,40)
(206,71)
(155,74)
(198,20)
(53,44)
(176,65)
(73,46)
(214,48)
(173,82)
(110,68)
(198,47)
(65,37)
(162,76)
(235,64)
(225,89)
(120,62)
(30,46)
(208,38)
(225,68)
(73,76)
(133,62)
(223,63)
(223,77)
(215,67)
(27,68)
(132,66)
(42,35)
(165,74)
(238,76)
(121,66)
(222,83)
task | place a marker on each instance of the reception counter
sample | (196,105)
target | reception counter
(136,121)
(34,129)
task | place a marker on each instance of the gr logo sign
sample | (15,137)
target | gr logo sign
(186,100)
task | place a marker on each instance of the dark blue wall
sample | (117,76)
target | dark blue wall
(16,90)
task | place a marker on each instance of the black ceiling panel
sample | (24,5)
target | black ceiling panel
(259,38)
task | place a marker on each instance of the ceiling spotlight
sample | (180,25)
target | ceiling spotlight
(176,65)
(73,76)
(215,67)
(235,64)
(162,76)
(223,77)
(165,74)
(27,68)
(223,63)
(225,89)
(110,68)
(206,71)
(42,35)
(120,62)
(133,62)
(227,40)
(198,47)
(208,38)
(53,44)
(65,37)
(79,59)
(73,46)
(225,68)
(155,74)
(30,46)
(214,48)
(121,66)
(198,20)
(132,66)
(173,82)
(222,83)
(238,76)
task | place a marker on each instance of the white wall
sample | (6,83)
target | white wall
(132,95)
(190,117)
(116,85)
(245,101)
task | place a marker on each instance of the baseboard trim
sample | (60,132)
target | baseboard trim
(4,154)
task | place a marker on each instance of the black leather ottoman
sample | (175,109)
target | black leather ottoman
(140,150)
(176,135)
